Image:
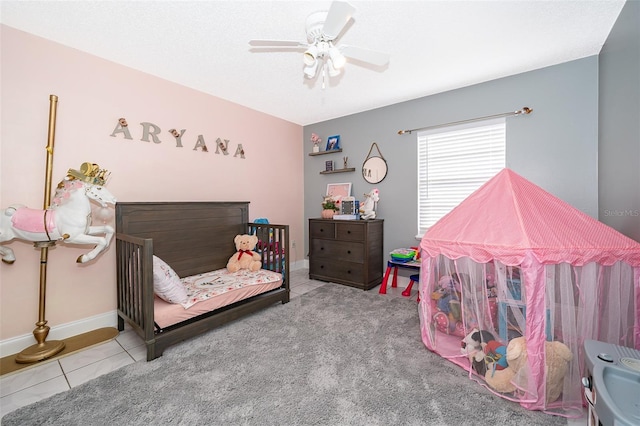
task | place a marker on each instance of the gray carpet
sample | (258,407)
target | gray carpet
(334,356)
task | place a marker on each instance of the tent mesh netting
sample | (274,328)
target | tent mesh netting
(514,280)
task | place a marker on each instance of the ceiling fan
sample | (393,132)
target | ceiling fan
(321,52)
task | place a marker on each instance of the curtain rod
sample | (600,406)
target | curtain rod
(524,110)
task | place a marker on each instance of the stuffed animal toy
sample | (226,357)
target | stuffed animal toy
(472,348)
(484,353)
(496,353)
(447,301)
(368,205)
(500,380)
(245,257)
(557,357)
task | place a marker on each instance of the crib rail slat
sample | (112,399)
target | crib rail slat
(273,246)
(134,275)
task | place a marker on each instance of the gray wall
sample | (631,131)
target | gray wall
(555,147)
(619,149)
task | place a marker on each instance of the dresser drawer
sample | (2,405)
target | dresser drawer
(350,231)
(322,230)
(338,270)
(337,250)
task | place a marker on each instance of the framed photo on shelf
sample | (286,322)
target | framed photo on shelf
(339,190)
(328,165)
(333,142)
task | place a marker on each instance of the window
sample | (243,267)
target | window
(455,161)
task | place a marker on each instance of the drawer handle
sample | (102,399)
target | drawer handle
(348,251)
(321,248)
(349,272)
(348,232)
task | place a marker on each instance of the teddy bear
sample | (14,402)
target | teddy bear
(245,257)
(498,374)
(557,358)
(500,380)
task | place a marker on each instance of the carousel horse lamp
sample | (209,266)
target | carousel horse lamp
(68,218)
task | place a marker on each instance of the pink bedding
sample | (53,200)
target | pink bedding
(214,290)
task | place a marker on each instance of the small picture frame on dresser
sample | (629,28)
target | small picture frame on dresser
(339,190)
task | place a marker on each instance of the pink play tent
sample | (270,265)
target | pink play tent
(512,261)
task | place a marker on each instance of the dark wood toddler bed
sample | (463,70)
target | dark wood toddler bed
(193,238)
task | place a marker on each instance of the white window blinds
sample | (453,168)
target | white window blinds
(455,161)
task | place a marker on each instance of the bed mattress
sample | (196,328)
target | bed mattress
(213,290)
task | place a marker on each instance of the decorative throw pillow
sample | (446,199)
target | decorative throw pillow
(166,283)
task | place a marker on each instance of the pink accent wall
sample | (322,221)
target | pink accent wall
(93,94)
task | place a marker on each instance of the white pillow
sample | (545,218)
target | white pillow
(167,284)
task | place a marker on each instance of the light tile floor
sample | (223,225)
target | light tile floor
(51,377)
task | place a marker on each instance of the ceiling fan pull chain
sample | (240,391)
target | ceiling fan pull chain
(324,73)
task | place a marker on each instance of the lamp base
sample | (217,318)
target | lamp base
(39,351)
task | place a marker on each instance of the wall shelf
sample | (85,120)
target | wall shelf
(328,172)
(331,151)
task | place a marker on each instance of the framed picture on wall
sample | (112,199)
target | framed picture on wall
(333,142)
(339,190)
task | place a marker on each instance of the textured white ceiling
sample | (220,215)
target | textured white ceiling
(435,46)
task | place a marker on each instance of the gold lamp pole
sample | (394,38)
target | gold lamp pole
(42,349)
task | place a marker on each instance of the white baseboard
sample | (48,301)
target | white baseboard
(110,319)
(16,344)
(300,264)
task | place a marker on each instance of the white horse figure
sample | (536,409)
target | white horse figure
(368,206)
(68,219)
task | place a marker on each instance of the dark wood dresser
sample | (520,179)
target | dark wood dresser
(346,251)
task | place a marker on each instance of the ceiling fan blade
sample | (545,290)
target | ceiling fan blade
(365,55)
(339,14)
(276,43)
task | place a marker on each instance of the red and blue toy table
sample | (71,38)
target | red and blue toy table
(413,264)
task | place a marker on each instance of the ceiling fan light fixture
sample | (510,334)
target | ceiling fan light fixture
(310,55)
(310,70)
(337,58)
(321,53)
(333,71)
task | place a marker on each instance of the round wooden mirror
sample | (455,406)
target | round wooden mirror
(374,169)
